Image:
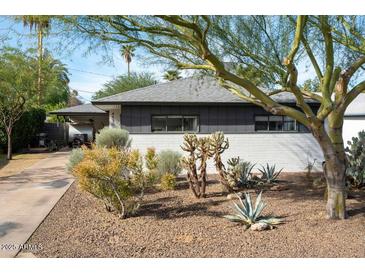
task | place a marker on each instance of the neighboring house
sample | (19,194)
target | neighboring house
(354,119)
(158,115)
(83,119)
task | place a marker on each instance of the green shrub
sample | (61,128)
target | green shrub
(75,158)
(356,160)
(25,129)
(114,176)
(113,137)
(169,162)
(168,181)
(151,160)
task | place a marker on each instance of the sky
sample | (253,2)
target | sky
(88,72)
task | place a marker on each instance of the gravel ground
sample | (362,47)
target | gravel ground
(175,224)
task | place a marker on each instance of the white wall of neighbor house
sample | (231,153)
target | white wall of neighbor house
(82,125)
(286,150)
(354,120)
(80,129)
(352,126)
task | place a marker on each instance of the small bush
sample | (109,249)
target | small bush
(169,162)
(113,137)
(309,168)
(113,175)
(151,160)
(75,158)
(356,161)
(168,181)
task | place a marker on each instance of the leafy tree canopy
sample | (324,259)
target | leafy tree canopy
(16,89)
(171,75)
(17,74)
(55,80)
(312,85)
(124,83)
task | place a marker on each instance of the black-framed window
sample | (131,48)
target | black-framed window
(275,123)
(174,123)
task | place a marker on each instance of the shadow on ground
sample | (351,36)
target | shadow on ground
(6,227)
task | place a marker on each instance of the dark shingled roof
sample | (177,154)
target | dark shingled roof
(200,90)
(79,109)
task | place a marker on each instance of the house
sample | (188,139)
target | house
(83,119)
(354,120)
(158,115)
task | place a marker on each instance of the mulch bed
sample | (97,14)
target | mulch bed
(175,224)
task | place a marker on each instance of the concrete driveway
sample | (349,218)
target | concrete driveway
(27,198)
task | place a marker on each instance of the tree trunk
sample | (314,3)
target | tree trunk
(40,57)
(9,155)
(334,167)
(334,170)
(129,71)
(335,174)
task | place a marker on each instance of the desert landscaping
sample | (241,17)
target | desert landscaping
(175,224)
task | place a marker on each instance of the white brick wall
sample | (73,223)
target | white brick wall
(286,150)
(351,127)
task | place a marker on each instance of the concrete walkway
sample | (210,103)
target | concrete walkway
(27,198)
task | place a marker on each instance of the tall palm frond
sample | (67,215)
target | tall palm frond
(128,52)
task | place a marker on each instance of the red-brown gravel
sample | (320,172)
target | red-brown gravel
(175,224)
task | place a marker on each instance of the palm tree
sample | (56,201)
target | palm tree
(41,24)
(128,53)
(171,75)
(55,83)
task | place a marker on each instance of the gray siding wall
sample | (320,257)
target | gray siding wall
(226,118)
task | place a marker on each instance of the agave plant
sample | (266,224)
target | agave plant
(239,173)
(245,175)
(269,173)
(248,214)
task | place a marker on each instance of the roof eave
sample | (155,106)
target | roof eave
(181,103)
(355,115)
(78,113)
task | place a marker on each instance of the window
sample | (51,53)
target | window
(190,123)
(174,123)
(261,123)
(275,123)
(289,124)
(159,123)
